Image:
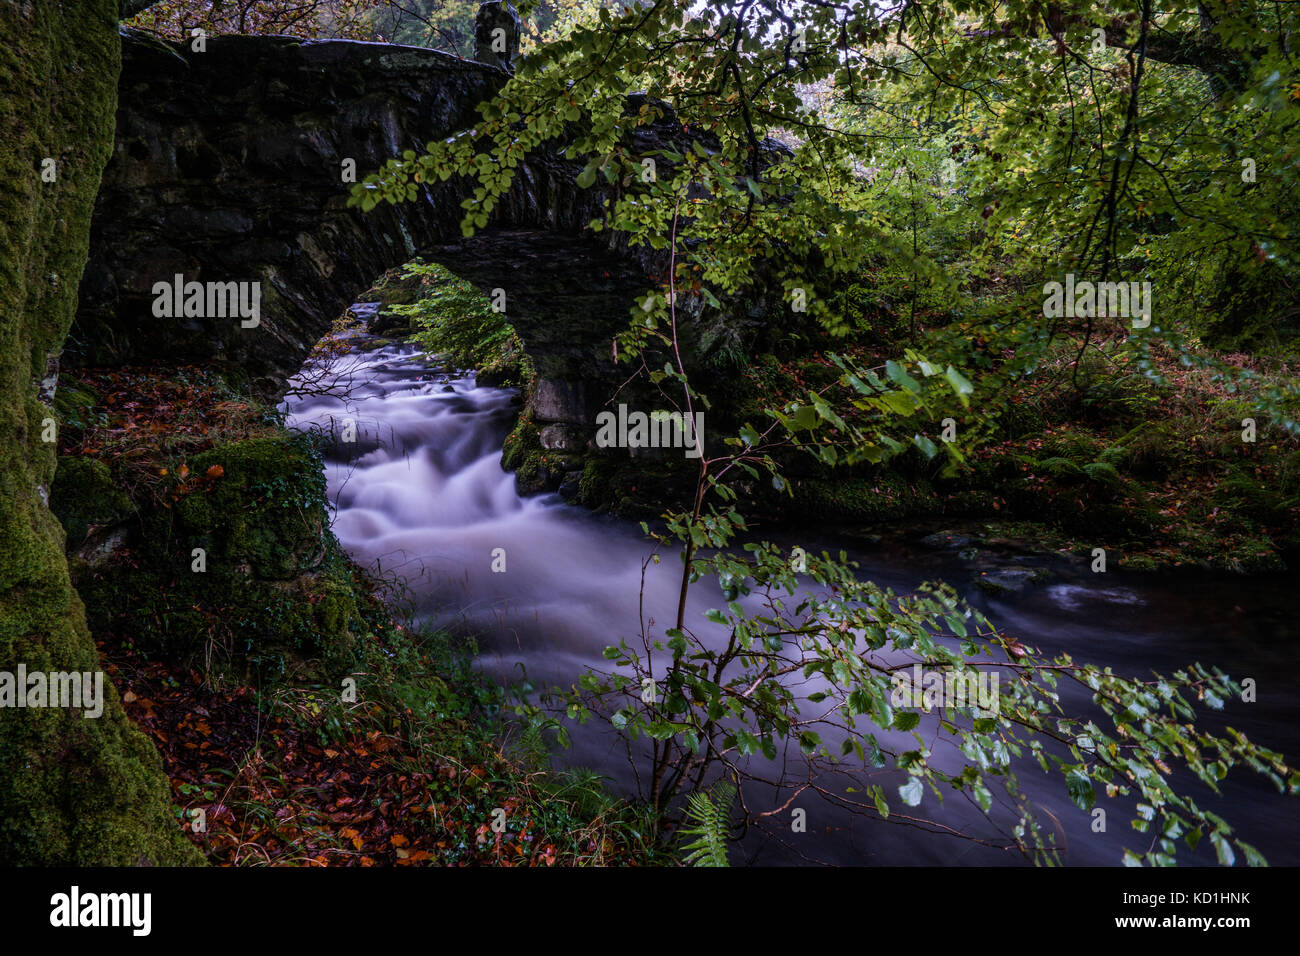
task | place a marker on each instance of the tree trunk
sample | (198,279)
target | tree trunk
(73,789)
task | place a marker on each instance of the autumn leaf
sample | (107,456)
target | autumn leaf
(215,471)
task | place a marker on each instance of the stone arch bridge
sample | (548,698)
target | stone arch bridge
(227,166)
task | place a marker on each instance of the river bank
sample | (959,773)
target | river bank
(418,496)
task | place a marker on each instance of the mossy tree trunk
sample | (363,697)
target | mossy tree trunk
(73,790)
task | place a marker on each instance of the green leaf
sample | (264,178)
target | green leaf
(899,376)
(960,385)
(927,447)
(1222,848)
(912,791)
(900,403)
(1080,788)
(906,719)
(1253,856)
(805,417)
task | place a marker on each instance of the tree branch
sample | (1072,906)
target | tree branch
(130,8)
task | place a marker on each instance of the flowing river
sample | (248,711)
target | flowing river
(421,494)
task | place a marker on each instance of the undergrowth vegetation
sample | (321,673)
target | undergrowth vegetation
(302,717)
(454,321)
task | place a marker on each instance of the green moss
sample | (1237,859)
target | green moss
(75,405)
(395,288)
(273,593)
(522,440)
(593,488)
(308,630)
(530,477)
(85,496)
(266,510)
(73,791)
(884,497)
(536,469)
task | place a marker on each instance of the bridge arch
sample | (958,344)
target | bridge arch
(228,166)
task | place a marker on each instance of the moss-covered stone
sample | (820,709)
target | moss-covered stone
(530,478)
(394,287)
(85,497)
(593,487)
(75,405)
(265,510)
(523,440)
(240,574)
(881,498)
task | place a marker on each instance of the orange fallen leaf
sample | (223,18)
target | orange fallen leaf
(216,471)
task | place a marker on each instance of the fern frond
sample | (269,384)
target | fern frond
(708,825)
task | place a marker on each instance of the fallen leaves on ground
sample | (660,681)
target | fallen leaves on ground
(272,793)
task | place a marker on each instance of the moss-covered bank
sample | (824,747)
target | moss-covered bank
(233,571)
(1159,476)
(198,536)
